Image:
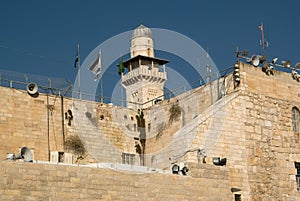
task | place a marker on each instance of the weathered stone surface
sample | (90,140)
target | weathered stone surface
(83,183)
(251,127)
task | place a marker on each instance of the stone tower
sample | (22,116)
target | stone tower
(146,75)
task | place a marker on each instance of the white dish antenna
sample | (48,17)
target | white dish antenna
(255,60)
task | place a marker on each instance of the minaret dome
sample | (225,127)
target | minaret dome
(141,42)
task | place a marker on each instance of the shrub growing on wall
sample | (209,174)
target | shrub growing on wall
(74,144)
(175,112)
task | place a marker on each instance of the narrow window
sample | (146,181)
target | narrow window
(61,157)
(297,166)
(295,119)
(237,197)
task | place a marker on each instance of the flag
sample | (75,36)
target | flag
(76,60)
(121,67)
(96,66)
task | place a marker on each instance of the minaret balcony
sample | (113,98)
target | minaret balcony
(144,73)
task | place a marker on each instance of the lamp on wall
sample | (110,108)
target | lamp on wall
(295,75)
(286,64)
(175,169)
(274,60)
(218,161)
(236,73)
(268,68)
(184,170)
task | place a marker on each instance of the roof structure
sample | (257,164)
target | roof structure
(156,60)
(141,31)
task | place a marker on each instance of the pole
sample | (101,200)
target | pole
(122,69)
(101,86)
(237,53)
(210,84)
(208,68)
(121,89)
(101,89)
(48,126)
(79,94)
(261,27)
(62,120)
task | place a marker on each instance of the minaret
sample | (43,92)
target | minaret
(146,75)
(141,42)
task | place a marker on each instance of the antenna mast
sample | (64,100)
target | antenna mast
(263,42)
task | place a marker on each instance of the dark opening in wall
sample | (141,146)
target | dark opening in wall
(237,197)
(295,119)
(297,166)
(88,115)
(61,156)
(69,117)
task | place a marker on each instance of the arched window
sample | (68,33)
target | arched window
(295,119)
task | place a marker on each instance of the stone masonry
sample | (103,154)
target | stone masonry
(250,125)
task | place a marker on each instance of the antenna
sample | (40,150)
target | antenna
(263,43)
(237,54)
(267,66)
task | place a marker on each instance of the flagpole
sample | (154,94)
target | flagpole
(121,80)
(101,87)
(121,90)
(263,38)
(121,72)
(79,94)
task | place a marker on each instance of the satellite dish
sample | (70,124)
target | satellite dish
(32,88)
(255,59)
(25,154)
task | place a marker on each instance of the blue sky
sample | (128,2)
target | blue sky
(40,37)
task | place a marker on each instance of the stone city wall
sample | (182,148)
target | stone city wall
(251,126)
(34,181)
(272,145)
